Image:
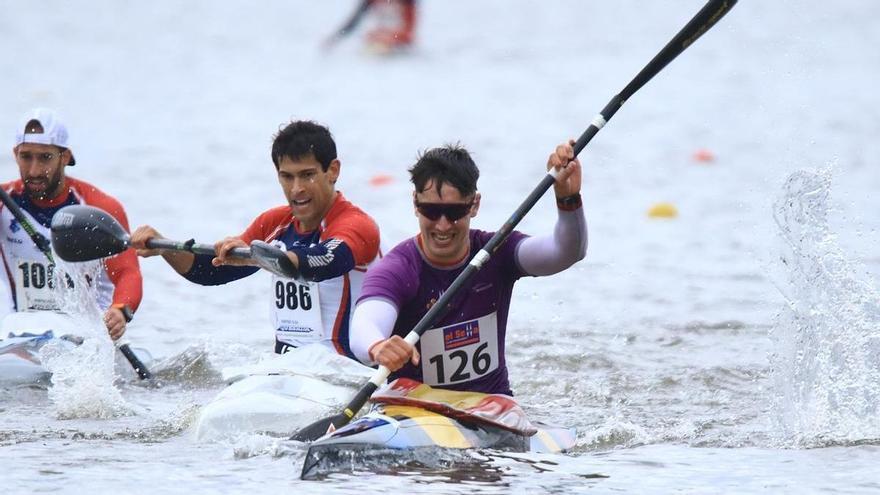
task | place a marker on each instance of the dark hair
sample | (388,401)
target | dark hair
(303,139)
(450,164)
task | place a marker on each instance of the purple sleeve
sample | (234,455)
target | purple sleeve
(394,277)
(506,254)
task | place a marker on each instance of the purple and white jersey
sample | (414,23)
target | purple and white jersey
(465,349)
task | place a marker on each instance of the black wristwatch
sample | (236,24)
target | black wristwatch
(569,203)
(127,313)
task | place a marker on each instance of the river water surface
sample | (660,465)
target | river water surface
(733,348)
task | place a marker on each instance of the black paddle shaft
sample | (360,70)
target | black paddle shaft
(39,239)
(138,366)
(191,247)
(710,14)
(267,256)
(699,24)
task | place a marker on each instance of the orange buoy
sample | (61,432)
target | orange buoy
(703,155)
(379,180)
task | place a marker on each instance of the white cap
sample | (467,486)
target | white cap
(54,131)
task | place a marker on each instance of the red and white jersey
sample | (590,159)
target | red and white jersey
(29,277)
(305,312)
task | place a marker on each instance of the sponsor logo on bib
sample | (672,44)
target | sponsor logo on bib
(460,335)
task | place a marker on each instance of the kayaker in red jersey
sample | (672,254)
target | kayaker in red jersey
(465,349)
(328,239)
(395,25)
(42,151)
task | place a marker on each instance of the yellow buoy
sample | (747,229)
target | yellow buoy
(663,210)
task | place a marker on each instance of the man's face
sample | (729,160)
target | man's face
(445,240)
(309,190)
(42,169)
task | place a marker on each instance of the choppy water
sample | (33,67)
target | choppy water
(731,349)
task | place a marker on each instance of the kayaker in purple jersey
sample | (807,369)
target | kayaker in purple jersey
(465,349)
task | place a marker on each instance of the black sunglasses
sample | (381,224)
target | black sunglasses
(452,211)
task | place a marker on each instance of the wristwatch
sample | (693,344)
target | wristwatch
(569,203)
(127,313)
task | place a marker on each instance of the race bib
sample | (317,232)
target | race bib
(33,286)
(297,312)
(461,352)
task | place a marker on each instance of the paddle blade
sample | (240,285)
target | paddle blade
(85,233)
(273,259)
(320,428)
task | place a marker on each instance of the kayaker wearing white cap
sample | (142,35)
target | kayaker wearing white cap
(42,152)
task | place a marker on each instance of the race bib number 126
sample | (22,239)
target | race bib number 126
(460,352)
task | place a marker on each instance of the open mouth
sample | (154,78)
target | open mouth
(443,239)
(300,202)
(36,184)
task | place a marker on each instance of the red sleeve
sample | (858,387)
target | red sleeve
(359,232)
(352,226)
(122,269)
(268,225)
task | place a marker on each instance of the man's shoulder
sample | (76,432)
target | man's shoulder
(482,237)
(269,223)
(348,221)
(92,195)
(405,252)
(345,210)
(13,186)
(396,274)
(279,214)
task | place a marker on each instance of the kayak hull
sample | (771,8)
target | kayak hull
(23,336)
(392,434)
(281,394)
(20,358)
(267,404)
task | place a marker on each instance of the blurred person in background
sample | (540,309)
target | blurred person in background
(394,25)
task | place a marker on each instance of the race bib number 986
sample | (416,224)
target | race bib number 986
(461,352)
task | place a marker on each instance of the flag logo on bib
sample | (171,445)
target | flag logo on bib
(461,334)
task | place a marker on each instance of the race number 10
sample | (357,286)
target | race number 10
(35,275)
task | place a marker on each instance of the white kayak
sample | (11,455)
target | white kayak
(281,394)
(23,336)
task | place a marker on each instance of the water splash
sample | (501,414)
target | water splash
(826,364)
(83,376)
(615,432)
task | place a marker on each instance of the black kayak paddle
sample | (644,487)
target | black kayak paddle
(710,14)
(85,233)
